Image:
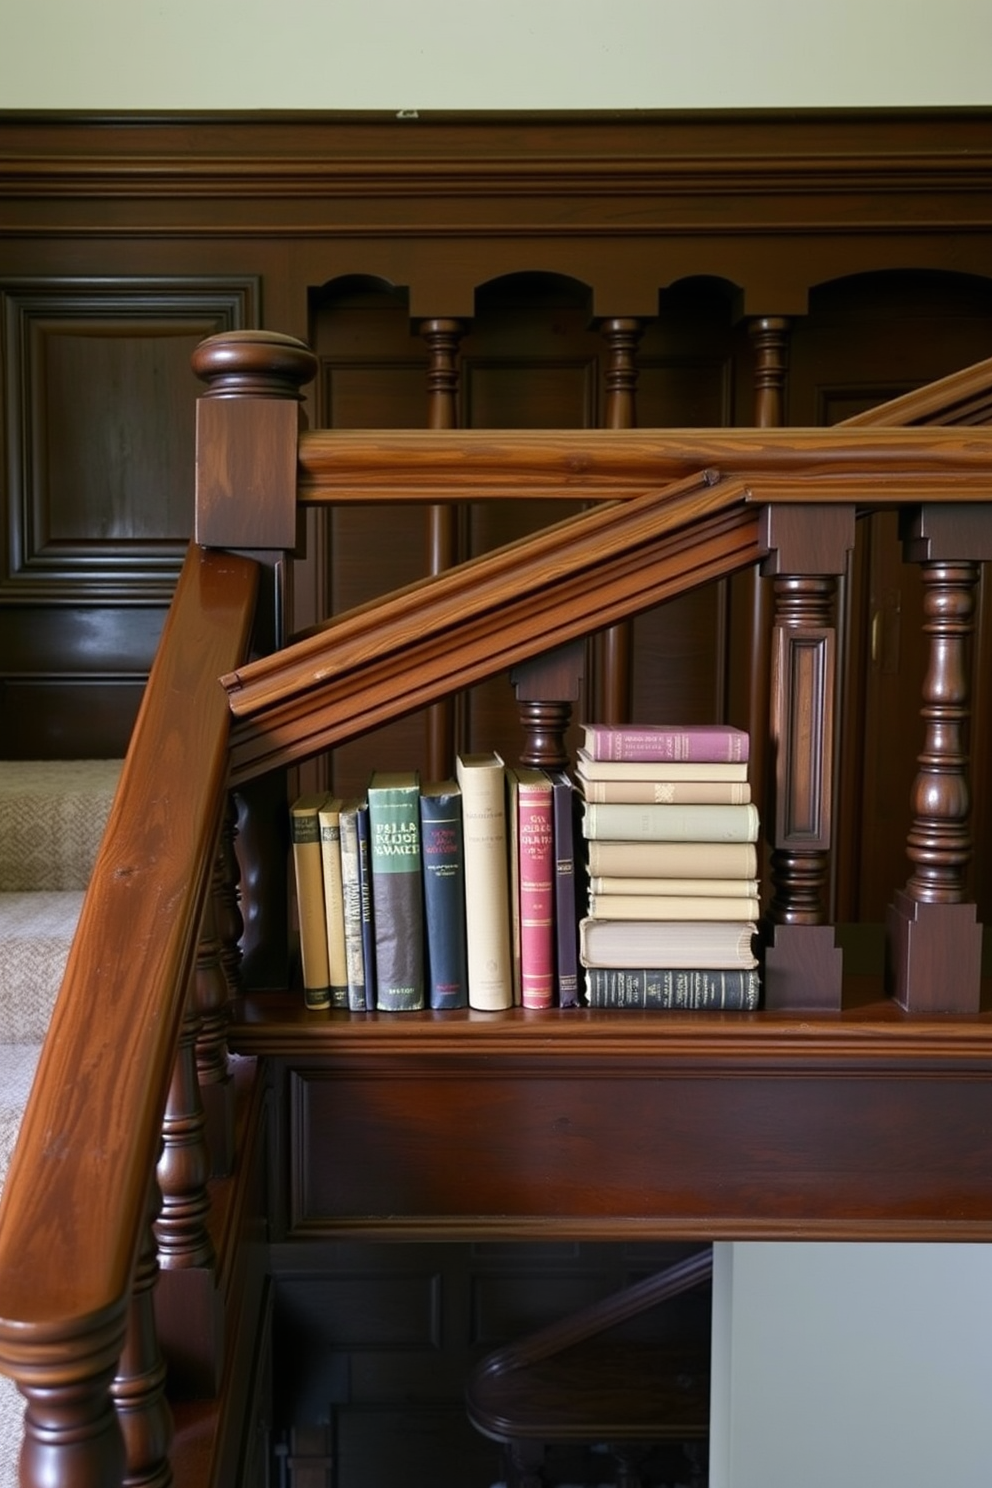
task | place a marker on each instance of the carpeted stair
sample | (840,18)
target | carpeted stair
(52,816)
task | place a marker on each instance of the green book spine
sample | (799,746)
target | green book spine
(397,890)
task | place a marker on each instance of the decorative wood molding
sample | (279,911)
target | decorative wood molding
(115,543)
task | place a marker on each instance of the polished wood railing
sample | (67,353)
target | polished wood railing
(109,1180)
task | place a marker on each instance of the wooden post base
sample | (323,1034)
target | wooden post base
(803,969)
(923,941)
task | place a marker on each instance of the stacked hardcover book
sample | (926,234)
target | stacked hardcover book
(671,835)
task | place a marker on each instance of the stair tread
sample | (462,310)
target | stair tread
(52,817)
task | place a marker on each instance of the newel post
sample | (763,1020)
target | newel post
(934,939)
(809,549)
(248,423)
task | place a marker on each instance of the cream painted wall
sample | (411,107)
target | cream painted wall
(493,54)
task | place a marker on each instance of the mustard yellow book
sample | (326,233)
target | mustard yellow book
(309,874)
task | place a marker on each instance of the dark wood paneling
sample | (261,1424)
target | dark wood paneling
(98,492)
(636,1150)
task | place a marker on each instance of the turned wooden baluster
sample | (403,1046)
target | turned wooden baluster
(184,1167)
(442,337)
(138,1390)
(546,687)
(71,1431)
(770,341)
(227,905)
(211,990)
(809,548)
(247,427)
(934,938)
(616,650)
(187,1299)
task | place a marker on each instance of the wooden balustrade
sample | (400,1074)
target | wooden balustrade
(140,1030)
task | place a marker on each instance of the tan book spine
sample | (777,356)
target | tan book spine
(329,820)
(588,768)
(668,792)
(671,907)
(673,859)
(309,873)
(729,888)
(482,778)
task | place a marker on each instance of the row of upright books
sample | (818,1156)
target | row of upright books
(673,892)
(442,895)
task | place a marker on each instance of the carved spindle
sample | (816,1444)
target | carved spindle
(809,548)
(211,995)
(939,839)
(227,904)
(443,338)
(753,601)
(615,660)
(138,1390)
(71,1431)
(934,938)
(770,340)
(184,1166)
(546,687)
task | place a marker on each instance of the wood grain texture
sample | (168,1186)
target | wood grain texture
(67,1247)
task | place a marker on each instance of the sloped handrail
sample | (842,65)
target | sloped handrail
(75,1205)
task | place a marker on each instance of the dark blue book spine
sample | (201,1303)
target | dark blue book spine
(365,905)
(563,807)
(442,848)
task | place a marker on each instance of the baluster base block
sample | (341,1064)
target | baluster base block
(933,960)
(803,969)
(189,1316)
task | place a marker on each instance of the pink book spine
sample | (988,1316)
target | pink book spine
(535,843)
(704,744)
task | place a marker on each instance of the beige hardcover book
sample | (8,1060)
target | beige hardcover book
(724,888)
(305,834)
(668,792)
(588,768)
(622,821)
(689,945)
(482,778)
(673,859)
(329,820)
(671,907)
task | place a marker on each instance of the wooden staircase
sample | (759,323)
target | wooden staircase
(844,1108)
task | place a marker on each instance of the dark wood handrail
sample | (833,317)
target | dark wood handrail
(76,1199)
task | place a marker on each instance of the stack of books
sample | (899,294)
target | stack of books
(671,835)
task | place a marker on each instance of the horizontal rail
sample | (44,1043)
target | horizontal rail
(611,464)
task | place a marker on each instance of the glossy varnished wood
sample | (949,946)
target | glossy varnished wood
(75,1212)
(594,1124)
(902,465)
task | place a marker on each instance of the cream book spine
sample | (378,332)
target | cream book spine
(482,778)
(329,820)
(671,907)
